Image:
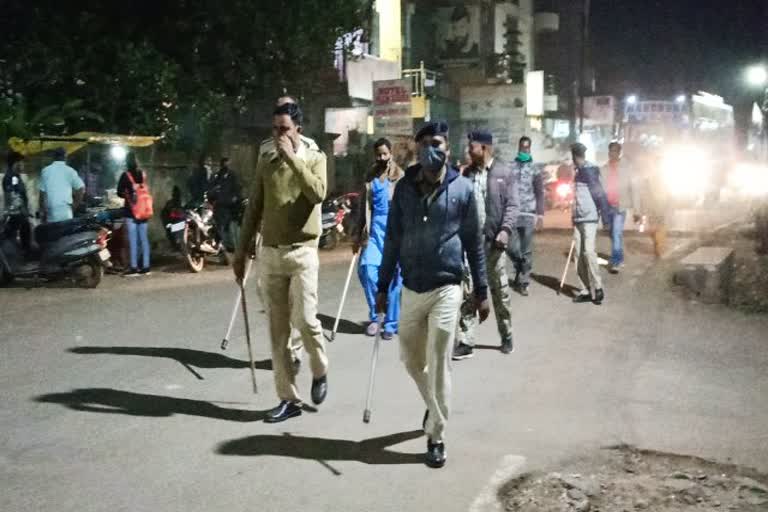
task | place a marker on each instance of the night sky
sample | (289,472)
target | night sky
(671,46)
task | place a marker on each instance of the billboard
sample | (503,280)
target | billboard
(457,34)
(392,107)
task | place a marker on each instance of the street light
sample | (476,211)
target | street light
(757,76)
(118,153)
(632,99)
(680,99)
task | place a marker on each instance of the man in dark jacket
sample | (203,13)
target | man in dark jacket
(16,201)
(433,220)
(531,189)
(225,194)
(590,204)
(496,197)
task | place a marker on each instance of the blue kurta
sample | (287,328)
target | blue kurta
(370,261)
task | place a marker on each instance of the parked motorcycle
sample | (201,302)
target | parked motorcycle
(195,236)
(77,251)
(334,211)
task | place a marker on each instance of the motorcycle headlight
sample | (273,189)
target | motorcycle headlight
(686,171)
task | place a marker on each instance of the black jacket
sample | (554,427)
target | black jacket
(429,241)
(19,190)
(224,190)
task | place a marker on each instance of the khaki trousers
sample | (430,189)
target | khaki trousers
(427,330)
(289,276)
(587,266)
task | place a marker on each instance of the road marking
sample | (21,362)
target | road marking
(487,500)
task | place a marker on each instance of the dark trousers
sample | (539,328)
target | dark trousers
(18,225)
(520,251)
(223,219)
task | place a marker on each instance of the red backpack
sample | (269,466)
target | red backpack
(141,206)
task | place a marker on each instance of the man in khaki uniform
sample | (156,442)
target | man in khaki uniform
(289,186)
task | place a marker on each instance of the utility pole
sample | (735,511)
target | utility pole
(584,62)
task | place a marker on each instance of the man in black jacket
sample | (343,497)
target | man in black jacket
(225,194)
(496,193)
(433,220)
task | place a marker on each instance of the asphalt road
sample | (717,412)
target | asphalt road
(120,399)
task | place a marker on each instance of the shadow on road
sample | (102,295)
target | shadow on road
(368,451)
(345,326)
(112,401)
(186,357)
(553,283)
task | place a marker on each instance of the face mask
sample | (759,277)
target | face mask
(524,157)
(382,163)
(432,158)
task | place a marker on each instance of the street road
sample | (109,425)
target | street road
(119,398)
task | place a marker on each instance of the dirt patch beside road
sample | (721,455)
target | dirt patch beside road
(626,479)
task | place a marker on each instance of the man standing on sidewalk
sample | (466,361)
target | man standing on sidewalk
(530,185)
(589,206)
(621,193)
(496,192)
(288,188)
(432,222)
(61,189)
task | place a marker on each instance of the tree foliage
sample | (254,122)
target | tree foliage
(158,66)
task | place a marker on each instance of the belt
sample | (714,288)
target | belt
(290,247)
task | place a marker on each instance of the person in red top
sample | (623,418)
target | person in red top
(622,196)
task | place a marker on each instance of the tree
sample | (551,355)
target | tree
(175,68)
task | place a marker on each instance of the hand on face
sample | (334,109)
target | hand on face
(285,146)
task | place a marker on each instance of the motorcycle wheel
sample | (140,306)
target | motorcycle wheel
(195,261)
(89,275)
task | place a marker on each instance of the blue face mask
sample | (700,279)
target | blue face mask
(432,158)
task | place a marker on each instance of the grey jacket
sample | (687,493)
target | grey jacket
(590,202)
(501,199)
(530,189)
(428,239)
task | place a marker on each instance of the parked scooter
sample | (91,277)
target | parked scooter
(78,255)
(333,213)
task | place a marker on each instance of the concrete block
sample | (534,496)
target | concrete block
(706,273)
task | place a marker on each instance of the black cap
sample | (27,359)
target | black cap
(481,136)
(432,129)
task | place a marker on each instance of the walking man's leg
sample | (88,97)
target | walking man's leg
(618,219)
(592,265)
(442,320)
(584,294)
(499,285)
(465,328)
(526,256)
(276,283)
(413,338)
(305,263)
(514,251)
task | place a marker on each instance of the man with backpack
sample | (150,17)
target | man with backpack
(134,188)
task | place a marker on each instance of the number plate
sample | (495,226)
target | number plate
(104,254)
(179,226)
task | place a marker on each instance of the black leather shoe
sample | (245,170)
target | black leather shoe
(424,421)
(507,346)
(319,389)
(283,412)
(599,297)
(582,298)
(435,457)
